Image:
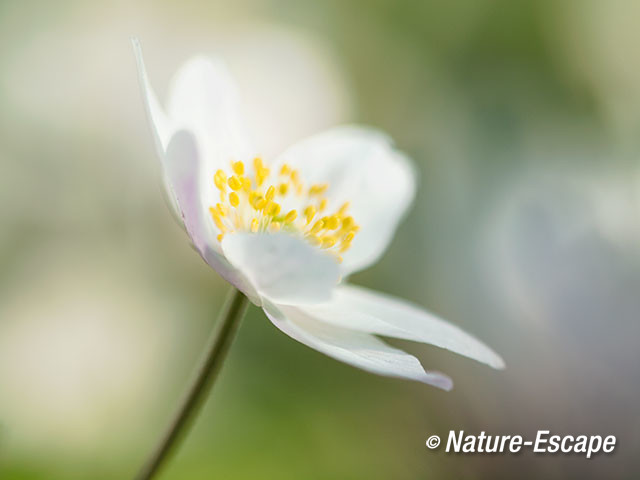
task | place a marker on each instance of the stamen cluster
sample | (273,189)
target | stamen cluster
(253,202)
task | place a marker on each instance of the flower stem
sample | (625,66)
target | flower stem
(217,347)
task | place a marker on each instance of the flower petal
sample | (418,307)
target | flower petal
(359,349)
(361,167)
(282,267)
(181,163)
(204,99)
(161,125)
(367,311)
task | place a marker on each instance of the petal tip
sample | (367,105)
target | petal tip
(498,362)
(438,380)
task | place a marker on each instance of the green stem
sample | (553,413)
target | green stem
(217,347)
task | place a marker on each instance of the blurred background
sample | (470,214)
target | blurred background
(523,119)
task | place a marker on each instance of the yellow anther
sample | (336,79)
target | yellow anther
(271,191)
(317,227)
(291,216)
(274,227)
(343,209)
(261,175)
(235,183)
(332,222)
(309,213)
(259,203)
(220,179)
(217,220)
(332,230)
(344,247)
(238,168)
(318,189)
(328,241)
(313,240)
(272,208)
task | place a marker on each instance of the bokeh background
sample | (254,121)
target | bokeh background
(523,119)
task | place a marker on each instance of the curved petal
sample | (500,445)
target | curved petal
(160,124)
(204,101)
(181,163)
(358,349)
(361,167)
(204,98)
(282,267)
(367,311)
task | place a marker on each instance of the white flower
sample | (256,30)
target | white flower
(288,232)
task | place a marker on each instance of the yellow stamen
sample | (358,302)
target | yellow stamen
(261,175)
(272,209)
(217,220)
(260,203)
(220,179)
(309,213)
(328,241)
(317,227)
(318,189)
(235,183)
(274,227)
(271,191)
(332,230)
(313,240)
(238,168)
(290,217)
(332,222)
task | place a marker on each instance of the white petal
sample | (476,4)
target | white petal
(361,167)
(282,267)
(160,123)
(372,312)
(181,163)
(359,349)
(204,99)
